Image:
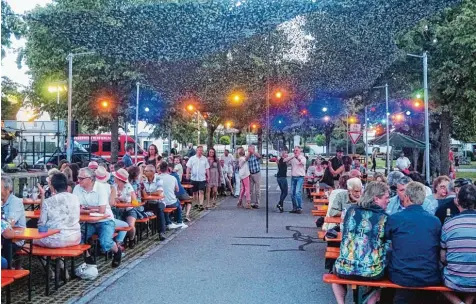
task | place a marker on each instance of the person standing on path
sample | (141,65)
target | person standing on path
(298,171)
(253,159)
(244,173)
(214,178)
(127,159)
(374,159)
(191,151)
(282,180)
(336,166)
(236,171)
(198,169)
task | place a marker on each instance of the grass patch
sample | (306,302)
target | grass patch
(471,175)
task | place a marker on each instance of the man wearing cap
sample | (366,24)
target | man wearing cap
(94,200)
(451,204)
(198,169)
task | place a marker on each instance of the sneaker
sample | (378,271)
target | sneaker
(293,211)
(182,225)
(173,226)
(161,237)
(299,211)
(280,208)
(255,206)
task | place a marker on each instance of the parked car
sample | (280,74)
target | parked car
(82,158)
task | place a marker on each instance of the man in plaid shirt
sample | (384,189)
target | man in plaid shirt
(253,159)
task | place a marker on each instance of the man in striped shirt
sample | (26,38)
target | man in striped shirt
(458,247)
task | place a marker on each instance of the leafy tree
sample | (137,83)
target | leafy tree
(225,140)
(320,140)
(11,25)
(12,99)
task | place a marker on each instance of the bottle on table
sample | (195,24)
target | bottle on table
(448,214)
(25,193)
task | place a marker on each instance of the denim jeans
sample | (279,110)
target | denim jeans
(159,211)
(296,191)
(283,186)
(104,230)
(178,214)
(121,234)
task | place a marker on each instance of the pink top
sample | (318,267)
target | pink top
(298,168)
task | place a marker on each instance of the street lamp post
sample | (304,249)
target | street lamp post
(69,149)
(57,88)
(427,123)
(137,121)
(267,154)
(387,123)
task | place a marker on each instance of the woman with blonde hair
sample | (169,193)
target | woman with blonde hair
(244,172)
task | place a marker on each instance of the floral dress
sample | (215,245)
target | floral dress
(61,211)
(215,174)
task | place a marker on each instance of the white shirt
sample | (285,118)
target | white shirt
(169,184)
(96,198)
(198,168)
(403,163)
(178,168)
(228,160)
(244,168)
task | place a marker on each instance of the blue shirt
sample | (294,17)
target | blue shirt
(181,190)
(253,164)
(127,160)
(395,206)
(415,237)
(459,241)
(13,208)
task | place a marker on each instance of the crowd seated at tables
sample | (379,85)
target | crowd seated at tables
(143,190)
(392,232)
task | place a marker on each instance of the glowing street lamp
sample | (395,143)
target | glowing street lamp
(104,104)
(228,124)
(278,94)
(190,108)
(147,109)
(324,109)
(326,118)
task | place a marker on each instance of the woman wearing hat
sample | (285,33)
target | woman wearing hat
(125,194)
(102,176)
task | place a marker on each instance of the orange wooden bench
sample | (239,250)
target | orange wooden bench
(183,202)
(9,276)
(128,228)
(332,253)
(322,235)
(319,212)
(57,253)
(6,282)
(385,283)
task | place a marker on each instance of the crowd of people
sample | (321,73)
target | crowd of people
(397,227)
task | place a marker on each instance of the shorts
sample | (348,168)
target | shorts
(183,197)
(199,186)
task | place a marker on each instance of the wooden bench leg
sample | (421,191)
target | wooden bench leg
(56,273)
(9,294)
(47,268)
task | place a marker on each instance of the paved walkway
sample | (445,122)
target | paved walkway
(226,257)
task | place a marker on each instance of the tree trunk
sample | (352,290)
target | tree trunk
(114,138)
(260,141)
(445,141)
(210,132)
(415,153)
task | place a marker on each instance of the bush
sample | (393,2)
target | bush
(225,140)
(469,155)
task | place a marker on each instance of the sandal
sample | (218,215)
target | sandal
(239,205)
(248,206)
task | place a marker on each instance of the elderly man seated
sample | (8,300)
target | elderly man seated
(458,248)
(93,199)
(345,199)
(13,211)
(153,193)
(415,237)
(396,202)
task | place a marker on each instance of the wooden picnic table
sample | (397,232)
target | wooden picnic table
(28,235)
(333,220)
(82,218)
(128,205)
(322,201)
